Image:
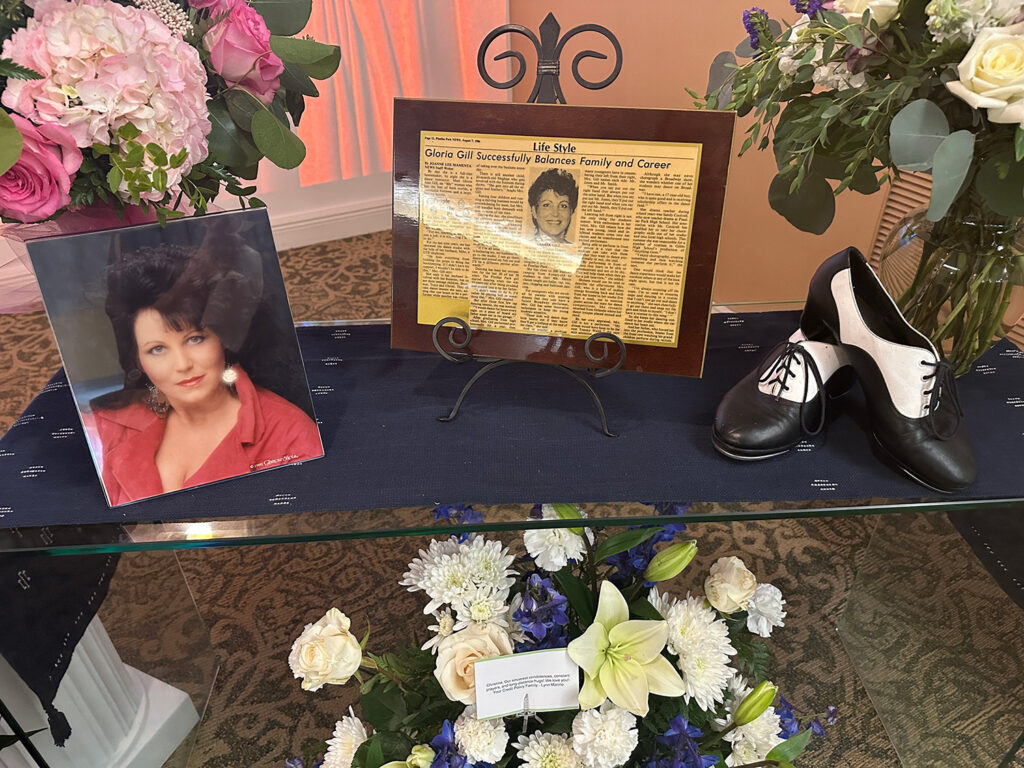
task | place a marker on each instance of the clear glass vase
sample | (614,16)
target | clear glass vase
(960,281)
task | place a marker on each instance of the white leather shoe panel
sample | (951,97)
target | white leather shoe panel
(900,365)
(828,357)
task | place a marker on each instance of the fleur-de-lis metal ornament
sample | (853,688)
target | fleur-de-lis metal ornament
(547,89)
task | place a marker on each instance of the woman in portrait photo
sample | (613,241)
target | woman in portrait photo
(553,197)
(189,413)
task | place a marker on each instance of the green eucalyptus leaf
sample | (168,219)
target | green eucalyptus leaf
(791,748)
(810,207)
(318,60)
(10,142)
(951,164)
(229,145)
(864,181)
(1018,143)
(284,17)
(718,74)
(915,134)
(274,139)
(156,153)
(295,102)
(293,79)
(1000,183)
(128,131)
(745,50)
(242,105)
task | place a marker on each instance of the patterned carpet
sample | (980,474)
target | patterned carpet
(934,637)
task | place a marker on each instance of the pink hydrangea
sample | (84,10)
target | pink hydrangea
(105,65)
(39,183)
(239,47)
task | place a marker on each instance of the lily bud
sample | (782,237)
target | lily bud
(569,512)
(755,703)
(422,756)
(670,562)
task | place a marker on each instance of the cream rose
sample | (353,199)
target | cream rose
(992,74)
(325,652)
(729,585)
(457,653)
(882,11)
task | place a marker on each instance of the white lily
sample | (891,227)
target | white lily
(621,659)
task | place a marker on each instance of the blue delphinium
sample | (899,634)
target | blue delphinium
(445,753)
(683,751)
(542,615)
(457,514)
(630,565)
(791,725)
(294,762)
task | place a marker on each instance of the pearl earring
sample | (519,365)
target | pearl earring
(230,376)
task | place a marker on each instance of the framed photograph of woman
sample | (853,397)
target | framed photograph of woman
(180,350)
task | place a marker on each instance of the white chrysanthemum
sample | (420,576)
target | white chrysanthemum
(416,577)
(445,626)
(481,605)
(660,602)
(737,690)
(482,741)
(488,563)
(605,737)
(701,641)
(446,581)
(764,611)
(553,548)
(349,733)
(753,741)
(547,750)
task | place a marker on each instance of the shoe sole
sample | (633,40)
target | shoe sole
(897,464)
(736,453)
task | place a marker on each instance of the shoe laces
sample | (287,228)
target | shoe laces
(779,371)
(943,387)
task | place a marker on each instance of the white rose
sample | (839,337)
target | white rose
(457,653)
(882,11)
(325,652)
(729,585)
(992,74)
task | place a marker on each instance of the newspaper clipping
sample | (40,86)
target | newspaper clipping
(556,237)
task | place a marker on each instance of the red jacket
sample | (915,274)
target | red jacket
(270,432)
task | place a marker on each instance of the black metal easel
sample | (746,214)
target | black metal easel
(546,90)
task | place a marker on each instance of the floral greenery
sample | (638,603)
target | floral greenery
(420,714)
(850,95)
(248,118)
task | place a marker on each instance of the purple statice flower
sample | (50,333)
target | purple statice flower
(445,753)
(542,615)
(669,508)
(810,7)
(754,20)
(681,741)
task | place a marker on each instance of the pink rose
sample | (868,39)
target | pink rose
(40,182)
(239,47)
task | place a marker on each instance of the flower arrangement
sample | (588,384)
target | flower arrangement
(150,103)
(667,682)
(855,91)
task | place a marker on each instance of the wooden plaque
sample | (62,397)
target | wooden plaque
(543,224)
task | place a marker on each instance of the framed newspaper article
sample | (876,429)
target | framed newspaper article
(540,225)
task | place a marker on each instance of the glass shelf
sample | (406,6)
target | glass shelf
(199,533)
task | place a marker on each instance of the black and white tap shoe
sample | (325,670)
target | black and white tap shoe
(782,400)
(910,391)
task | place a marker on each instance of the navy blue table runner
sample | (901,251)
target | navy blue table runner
(527,433)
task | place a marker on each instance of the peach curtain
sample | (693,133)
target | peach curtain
(415,48)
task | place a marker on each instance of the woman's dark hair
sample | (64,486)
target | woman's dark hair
(559,181)
(190,289)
